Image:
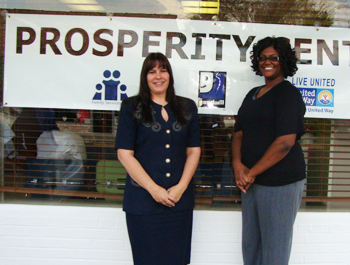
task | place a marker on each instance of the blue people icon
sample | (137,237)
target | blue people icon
(111,87)
(123,95)
(98,95)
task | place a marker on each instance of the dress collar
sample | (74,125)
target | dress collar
(158,106)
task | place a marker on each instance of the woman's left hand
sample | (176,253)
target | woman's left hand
(176,192)
(249,180)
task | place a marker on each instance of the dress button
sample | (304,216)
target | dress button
(167,131)
(167,146)
(167,160)
(167,175)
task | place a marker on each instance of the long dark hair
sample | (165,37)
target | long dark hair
(288,59)
(144,95)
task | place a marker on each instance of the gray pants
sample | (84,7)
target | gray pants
(268,218)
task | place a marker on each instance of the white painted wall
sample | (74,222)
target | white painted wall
(69,235)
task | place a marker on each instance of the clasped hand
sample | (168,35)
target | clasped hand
(243,178)
(168,197)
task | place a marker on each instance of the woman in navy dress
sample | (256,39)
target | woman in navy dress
(158,143)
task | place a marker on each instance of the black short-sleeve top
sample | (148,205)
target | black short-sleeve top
(160,147)
(280,111)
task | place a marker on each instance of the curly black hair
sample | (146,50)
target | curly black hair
(288,59)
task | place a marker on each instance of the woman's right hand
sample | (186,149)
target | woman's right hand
(241,172)
(138,174)
(161,196)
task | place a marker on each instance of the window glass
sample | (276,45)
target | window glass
(56,155)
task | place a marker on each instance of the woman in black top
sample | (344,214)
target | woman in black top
(268,161)
(158,143)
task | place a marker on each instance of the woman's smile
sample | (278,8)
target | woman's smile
(158,80)
(270,68)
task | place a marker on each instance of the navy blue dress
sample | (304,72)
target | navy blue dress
(160,147)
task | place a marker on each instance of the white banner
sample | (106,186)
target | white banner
(87,62)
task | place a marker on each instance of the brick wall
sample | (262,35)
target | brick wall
(67,235)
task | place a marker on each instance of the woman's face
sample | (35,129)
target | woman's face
(269,64)
(158,80)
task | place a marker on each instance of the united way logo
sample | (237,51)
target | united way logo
(110,88)
(212,89)
(325,98)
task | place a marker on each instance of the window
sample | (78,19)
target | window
(67,154)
